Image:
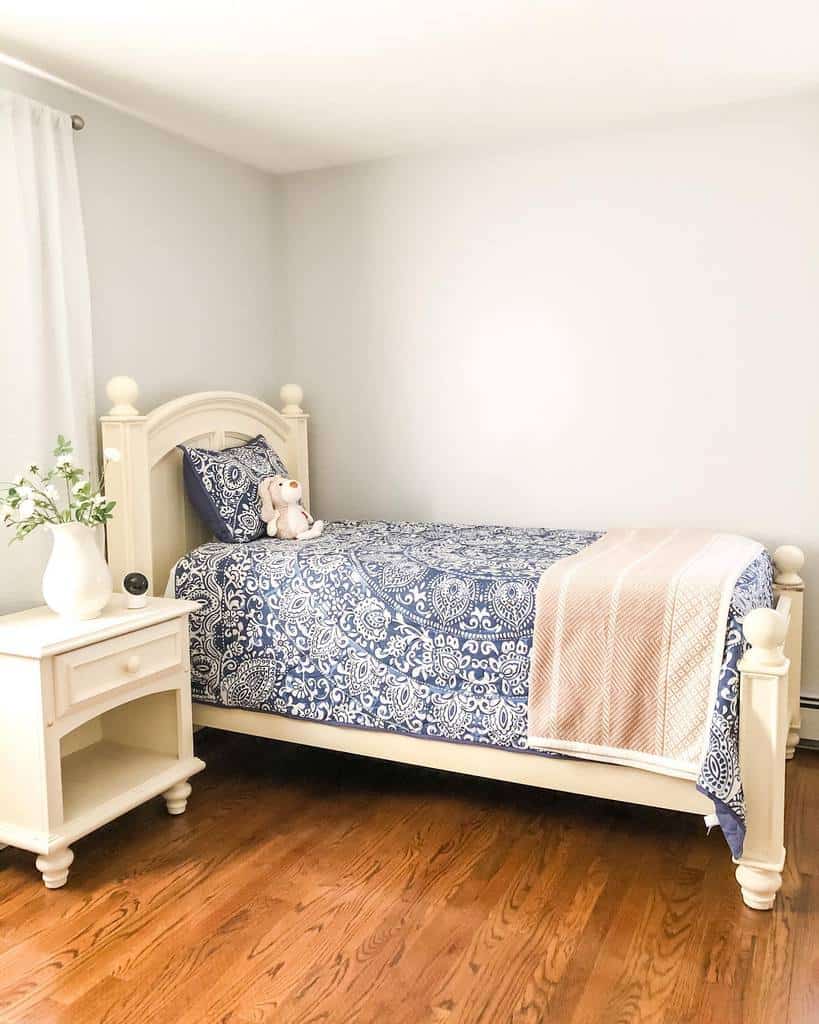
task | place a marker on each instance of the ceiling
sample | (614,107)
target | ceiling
(288,85)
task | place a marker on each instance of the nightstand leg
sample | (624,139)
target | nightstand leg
(176,798)
(54,867)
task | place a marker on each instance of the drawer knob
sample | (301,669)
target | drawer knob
(132,664)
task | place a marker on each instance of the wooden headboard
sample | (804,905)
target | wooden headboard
(154,524)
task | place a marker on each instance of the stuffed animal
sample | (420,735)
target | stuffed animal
(283,512)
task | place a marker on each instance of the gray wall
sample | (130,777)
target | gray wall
(617,330)
(185,255)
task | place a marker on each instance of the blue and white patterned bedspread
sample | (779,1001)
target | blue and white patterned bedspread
(423,629)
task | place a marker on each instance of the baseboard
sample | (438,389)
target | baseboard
(809,733)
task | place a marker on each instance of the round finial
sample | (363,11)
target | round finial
(291,395)
(765,630)
(788,560)
(123,392)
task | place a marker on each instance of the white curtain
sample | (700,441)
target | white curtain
(46,372)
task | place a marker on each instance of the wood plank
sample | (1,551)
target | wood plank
(313,886)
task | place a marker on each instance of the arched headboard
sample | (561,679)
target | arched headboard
(154,524)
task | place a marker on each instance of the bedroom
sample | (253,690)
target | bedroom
(532,266)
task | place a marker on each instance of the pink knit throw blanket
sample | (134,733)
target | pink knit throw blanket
(628,645)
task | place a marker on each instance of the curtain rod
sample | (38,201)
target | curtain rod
(77,122)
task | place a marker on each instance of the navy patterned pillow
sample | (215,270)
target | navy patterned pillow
(224,487)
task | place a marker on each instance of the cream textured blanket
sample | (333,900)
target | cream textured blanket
(628,642)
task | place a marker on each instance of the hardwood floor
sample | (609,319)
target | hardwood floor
(307,886)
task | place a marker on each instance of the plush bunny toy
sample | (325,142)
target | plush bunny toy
(283,512)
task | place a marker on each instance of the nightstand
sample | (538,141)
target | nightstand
(95,719)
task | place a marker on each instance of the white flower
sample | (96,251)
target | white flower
(111,454)
(18,480)
(99,499)
(64,460)
(24,491)
(26,509)
(52,492)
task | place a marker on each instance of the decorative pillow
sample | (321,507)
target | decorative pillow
(224,487)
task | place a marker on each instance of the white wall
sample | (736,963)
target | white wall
(609,331)
(186,262)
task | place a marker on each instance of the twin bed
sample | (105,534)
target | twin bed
(412,642)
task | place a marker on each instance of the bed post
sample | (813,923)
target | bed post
(128,535)
(763,727)
(788,560)
(292,396)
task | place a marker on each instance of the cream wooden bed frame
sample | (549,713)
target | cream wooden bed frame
(154,525)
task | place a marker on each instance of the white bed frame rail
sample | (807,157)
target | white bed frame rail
(154,525)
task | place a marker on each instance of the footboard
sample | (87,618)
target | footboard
(788,561)
(769,728)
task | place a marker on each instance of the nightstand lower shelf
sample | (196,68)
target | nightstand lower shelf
(106,779)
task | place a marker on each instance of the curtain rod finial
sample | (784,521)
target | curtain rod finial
(77,122)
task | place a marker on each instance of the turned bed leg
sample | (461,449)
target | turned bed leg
(763,726)
(176,798)
(788,561)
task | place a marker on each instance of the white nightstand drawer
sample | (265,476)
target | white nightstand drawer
(85,674)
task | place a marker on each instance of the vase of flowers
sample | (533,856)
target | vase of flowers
(77,580)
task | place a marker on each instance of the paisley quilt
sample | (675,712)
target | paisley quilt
(423,629)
